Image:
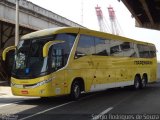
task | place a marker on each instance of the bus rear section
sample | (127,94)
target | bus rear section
(105,63)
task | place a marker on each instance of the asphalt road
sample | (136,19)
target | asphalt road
(112,104)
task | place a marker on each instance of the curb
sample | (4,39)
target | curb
(5,91)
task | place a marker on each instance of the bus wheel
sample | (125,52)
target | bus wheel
(144,82)
(137,82)
(75,90)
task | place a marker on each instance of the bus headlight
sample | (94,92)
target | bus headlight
(39,83)
(31,85)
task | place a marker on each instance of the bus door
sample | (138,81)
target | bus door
(56,63)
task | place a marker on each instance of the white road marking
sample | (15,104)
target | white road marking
(52,108)
(102,113)
(10,103)
(46,109)
(110,108)
(83,98)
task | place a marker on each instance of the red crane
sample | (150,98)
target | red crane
(101,20)
(115,27)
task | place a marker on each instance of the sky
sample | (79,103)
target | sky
(83,12)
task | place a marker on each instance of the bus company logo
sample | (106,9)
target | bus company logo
(143,62)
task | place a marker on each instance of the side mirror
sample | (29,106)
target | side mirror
(6,50)
(48,45)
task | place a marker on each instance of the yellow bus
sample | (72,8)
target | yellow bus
(69,61)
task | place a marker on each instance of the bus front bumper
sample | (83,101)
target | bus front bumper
(39,89)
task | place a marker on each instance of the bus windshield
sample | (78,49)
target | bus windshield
(29,60)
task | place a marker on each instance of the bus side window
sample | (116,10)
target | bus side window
(128,49)
(152,50)
(56,58)
(125,46)
(143,51)
(115,48)
(85,46)
(101,46)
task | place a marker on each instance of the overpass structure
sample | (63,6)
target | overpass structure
(31,18)
(147,15)
(146,12)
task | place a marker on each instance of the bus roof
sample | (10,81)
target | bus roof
(50,31)
(111,36)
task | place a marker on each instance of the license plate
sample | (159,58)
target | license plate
(24,91)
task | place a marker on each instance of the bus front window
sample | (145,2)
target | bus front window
(21,54)
(29,60)
(37,63)
(57,57)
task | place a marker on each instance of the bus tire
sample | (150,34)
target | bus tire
(144,81)
(137,82)
(75,90)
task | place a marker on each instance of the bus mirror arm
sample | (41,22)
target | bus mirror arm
(48,45)
(6,50)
